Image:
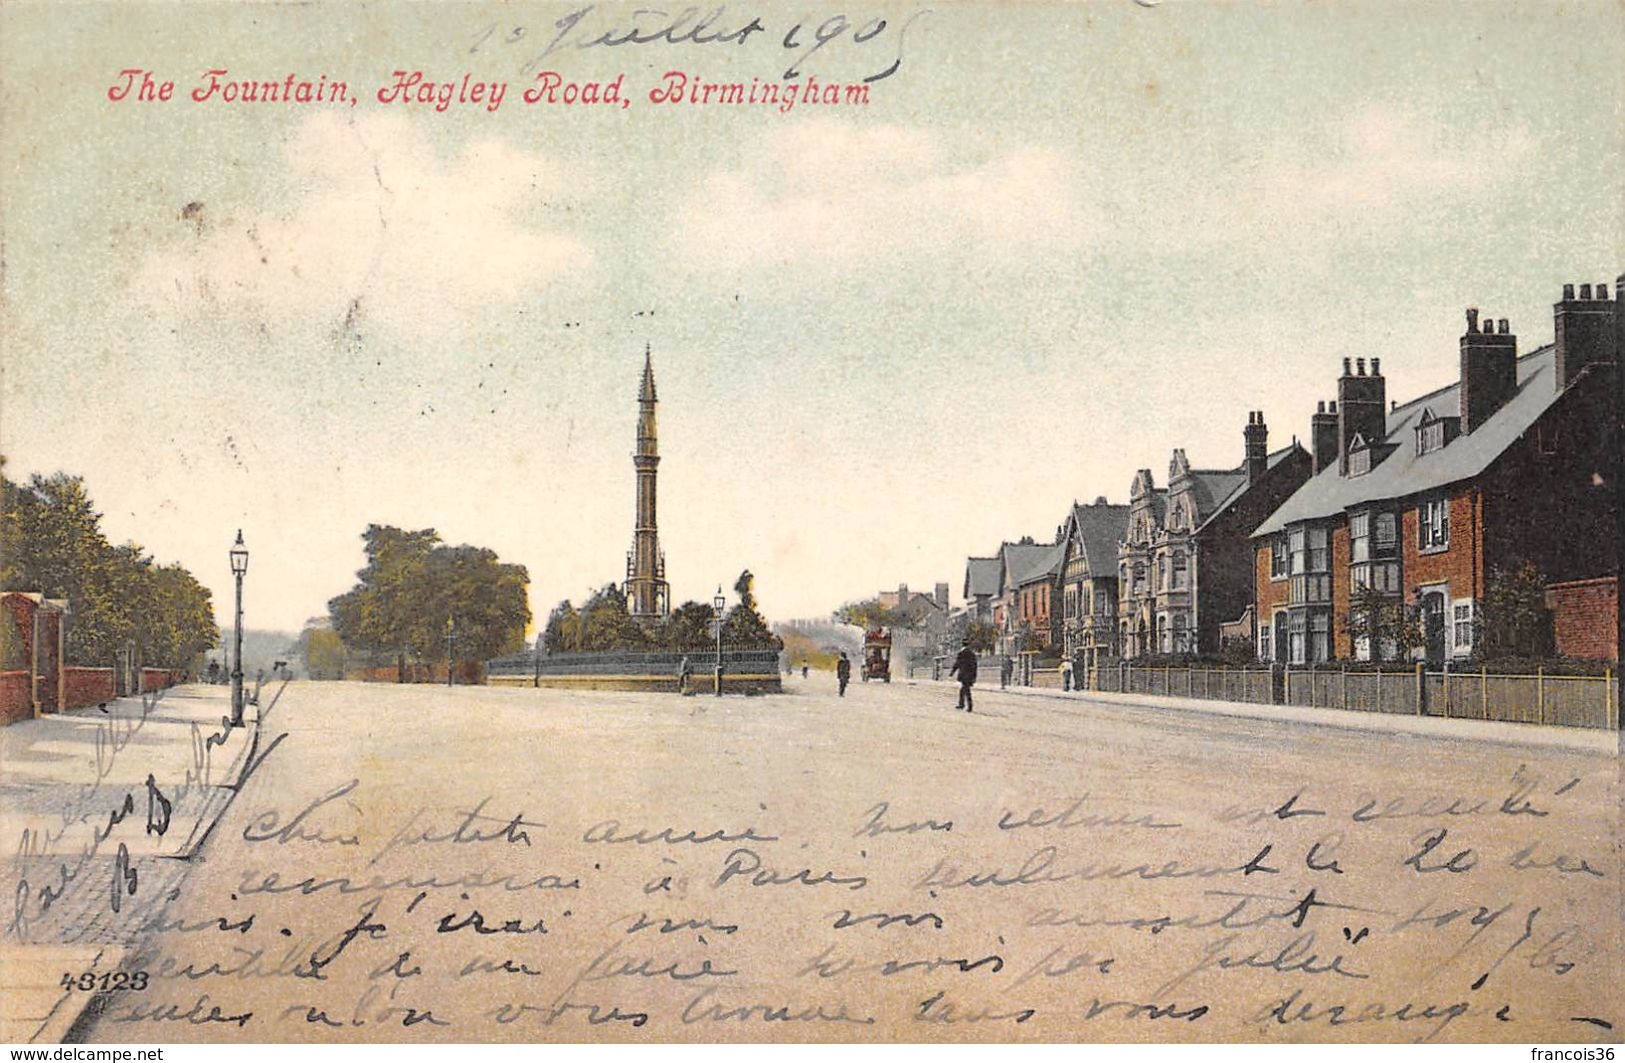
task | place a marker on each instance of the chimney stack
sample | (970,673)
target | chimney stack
(1362,403)
(1587,331)
(1489,370)
(1255,445)
(942,596)
(1323,436)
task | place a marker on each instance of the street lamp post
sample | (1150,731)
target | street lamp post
(719,603)
(451,644)
(239,567)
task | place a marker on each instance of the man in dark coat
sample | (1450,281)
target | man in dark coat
(965,668)
(843,673)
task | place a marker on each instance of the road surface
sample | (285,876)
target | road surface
(473,864)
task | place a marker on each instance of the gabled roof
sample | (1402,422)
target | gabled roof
(982,577)
(1099,527)
(1026,563)
(1404,472)
(1159,504)
(1239,483)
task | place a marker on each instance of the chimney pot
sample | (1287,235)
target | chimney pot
(1359,365)
(1376,367)
(1100,500)
(1320,407)
(1505,329)
(1472,319)
(1568,292)
(1331,407)
(1347,368)
(1585,291)
(1602,292)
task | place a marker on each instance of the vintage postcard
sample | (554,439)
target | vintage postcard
(772,522)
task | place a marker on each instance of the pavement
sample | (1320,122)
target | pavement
(1590,740)
(101,810)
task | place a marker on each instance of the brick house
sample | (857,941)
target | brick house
(1185,561)
(1029,582)
(1514,463)
(1089,580)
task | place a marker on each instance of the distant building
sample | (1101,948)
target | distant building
(1513,464)
(648,595)
(1029,583)
(981,588)
(1185,563)
(1089,541)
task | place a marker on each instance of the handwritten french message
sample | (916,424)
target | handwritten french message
(536,865)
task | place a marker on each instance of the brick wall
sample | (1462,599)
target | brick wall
(16,697)
(1460,566)
(1342,592)
(1585,618)
(87,686)
(1267,593)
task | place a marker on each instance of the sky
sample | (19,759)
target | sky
(1056,243)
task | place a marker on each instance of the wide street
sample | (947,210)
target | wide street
(475,864)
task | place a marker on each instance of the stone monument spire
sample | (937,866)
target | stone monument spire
(648,595)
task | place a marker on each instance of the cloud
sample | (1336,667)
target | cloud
(1380,158)
(825,193)
(382,221)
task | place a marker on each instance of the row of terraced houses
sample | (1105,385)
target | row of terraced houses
(1514,463)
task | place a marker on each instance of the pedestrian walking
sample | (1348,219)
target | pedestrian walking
(965,668)
(843,673)
(1066,673)
(1007,669)
(803,669)
(685,672)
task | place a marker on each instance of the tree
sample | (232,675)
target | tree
(51,542)
(606,625)
(744,626)
(981,636)
(563,631)
(413,585)
(870,614)
(689,627)
(321,650)
(1513,620)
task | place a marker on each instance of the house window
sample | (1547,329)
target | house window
(1179,572)
(1378,575)
(1263,642)
(1179,633)
(1296,630)
(1386,535)
(1433,525)
(1462,614)
(1280,553)
(1359,537)
(1430,437)
(1320,637)
(1319,556)
(1311,562)
(1139,577)
(1162,573)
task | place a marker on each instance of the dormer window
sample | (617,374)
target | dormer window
(1359,456)
(1433,432)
